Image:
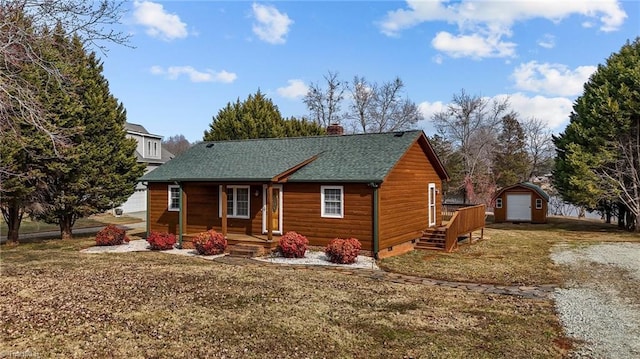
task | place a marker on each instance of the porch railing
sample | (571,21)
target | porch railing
(464,220)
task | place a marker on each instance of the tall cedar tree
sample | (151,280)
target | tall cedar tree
(98,171)
(256,117)
(24,148)
(510,158)
(598,154)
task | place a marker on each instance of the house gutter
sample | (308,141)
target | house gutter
(376,214)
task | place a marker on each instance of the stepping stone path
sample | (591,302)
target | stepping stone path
(530,292)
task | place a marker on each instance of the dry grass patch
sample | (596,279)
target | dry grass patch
(98,220)
(513,254)
(59,302)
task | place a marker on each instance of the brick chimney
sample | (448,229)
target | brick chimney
(335,129)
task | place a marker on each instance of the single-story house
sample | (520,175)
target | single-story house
(521,202)
(383,189)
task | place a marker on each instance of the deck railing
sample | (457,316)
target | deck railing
(464,220)
(449,209)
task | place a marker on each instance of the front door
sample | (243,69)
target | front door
(276,209)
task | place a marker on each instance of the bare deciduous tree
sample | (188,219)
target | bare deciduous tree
(382,108)
(471,123)
(24,28)
(324,104)
(539,146)
(176,144)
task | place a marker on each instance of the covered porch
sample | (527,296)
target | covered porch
(247,214)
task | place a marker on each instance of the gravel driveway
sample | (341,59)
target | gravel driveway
(600,304)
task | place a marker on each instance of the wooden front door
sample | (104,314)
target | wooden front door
(276,209)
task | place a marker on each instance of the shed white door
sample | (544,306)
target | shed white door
(518,207)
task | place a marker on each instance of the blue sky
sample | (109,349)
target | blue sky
(190,58)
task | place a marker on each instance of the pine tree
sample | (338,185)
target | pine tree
(256,117)
(99,169)
(510,158)
(598,154)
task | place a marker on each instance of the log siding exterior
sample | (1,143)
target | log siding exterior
(398,183)
(404,198)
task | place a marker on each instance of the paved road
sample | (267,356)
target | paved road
(89,230)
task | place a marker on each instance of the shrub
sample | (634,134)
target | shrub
(293,245)
(343,251)
(210,242)
(161,241)
(111,236)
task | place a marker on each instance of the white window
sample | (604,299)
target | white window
(498,202)
(174,198)
(237,201)
(332,201)
(538,203)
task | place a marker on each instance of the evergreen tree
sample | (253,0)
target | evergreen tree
(510,157)
(256,117)
(99,169)
(451,160)
(598,154)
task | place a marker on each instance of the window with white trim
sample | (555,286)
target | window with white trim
(332,201)
(538,203)
(174,198)
(237,201)
(498,202)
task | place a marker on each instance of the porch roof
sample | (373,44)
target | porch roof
(348,158)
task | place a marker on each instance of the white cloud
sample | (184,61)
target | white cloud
(271,25)
(158,22)
(553,79)
(295,89)
(474,46)
(554,111)
(548,41)
(428,109)
(174,72)
(491,21)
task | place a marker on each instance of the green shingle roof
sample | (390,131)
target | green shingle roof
(349,158)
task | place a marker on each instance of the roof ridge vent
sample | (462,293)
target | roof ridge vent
(398,134)
(209,145)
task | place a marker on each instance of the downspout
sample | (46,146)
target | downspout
(180,205)
(146,184)
(376,214)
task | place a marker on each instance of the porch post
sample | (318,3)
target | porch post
(223,194)
(269,205)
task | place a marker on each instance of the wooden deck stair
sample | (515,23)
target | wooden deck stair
(245,250)
(433,239)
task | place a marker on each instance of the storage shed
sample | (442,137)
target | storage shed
(522,202)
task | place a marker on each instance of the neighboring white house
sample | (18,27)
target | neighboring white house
(150,152)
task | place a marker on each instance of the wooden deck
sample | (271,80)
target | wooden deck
(458,230)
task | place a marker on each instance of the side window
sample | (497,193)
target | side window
(332,201)
(538,203)
(498,202)
(174,198)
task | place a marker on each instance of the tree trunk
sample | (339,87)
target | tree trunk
(14,219)
(621,215)
(66,224)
